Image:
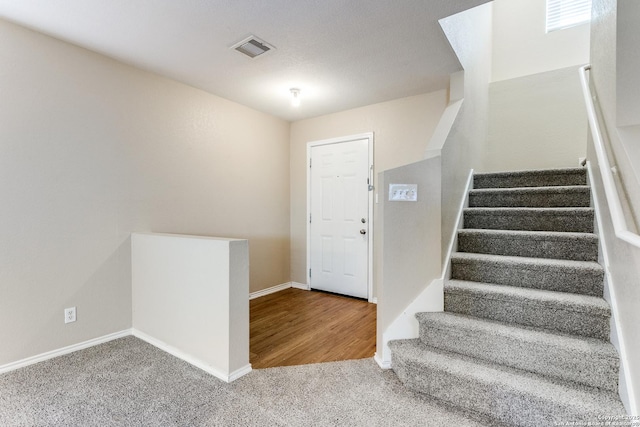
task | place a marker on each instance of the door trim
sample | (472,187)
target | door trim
(369,137)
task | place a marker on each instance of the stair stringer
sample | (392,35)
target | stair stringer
(406,326)
(625,383)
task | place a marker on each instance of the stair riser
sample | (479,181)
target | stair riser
(532,200)
(577,250)
(528,313)
(530,221)
(532,356)
(530,180)
(551,278)
(506,405)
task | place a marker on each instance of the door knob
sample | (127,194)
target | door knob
(363,220)
(363,231)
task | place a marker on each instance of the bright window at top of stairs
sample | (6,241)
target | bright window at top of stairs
(563,14)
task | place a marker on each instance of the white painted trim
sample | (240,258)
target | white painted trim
(271,290)
(62,351)
(191,360)
(278,288)
(405,325)
(125,333)
(453,242)
(369,137)
(302,286)
(239,373)
(615,207)
(626,386)
(382,363)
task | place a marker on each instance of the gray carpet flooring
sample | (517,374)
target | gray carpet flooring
(128,382)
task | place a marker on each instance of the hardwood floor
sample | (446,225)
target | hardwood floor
(297,327)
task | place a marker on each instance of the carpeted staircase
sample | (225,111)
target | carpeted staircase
(524,337)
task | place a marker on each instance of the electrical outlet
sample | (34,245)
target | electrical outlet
(69,315)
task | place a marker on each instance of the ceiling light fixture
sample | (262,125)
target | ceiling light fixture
(295,97)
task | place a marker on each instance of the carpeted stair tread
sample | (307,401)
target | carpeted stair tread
(509,395)
(582,360)
(581,277)
(531,178)
(524,336)
(540,244)
(582,315)
(555,196)
(569,301)
(531,219)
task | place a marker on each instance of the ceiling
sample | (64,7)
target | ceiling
(341,53)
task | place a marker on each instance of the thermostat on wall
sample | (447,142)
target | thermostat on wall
(403,192)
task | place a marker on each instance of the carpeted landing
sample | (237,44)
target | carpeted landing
(128,382)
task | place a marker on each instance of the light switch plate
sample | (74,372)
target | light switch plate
(403,192)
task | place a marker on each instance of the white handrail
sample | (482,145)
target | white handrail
(617,216)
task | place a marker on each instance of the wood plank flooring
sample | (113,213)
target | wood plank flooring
(297,327)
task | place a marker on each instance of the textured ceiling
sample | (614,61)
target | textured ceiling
(341,53)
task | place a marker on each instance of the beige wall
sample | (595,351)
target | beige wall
(92,150)
(402,129)
(522,47)
(536,122)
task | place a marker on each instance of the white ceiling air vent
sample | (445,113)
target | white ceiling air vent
(252,47)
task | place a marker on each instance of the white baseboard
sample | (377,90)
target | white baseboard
(271,290)
(453,242)
(240,372)
(192,360)
(383,364)
(302,286)
(127,332)
(626,385)
(278,288)
(405,326)
(62,351)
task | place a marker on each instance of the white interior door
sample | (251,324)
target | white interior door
(339,218)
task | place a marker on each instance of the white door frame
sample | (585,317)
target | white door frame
(369,137)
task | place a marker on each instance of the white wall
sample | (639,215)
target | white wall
(190,297)
(536,122)
(416,237)
(625,259)
(628,64)
(608,24)
(522,47)
(537,118)
(470,35)
(401,128)
(92,150)
(410,249)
